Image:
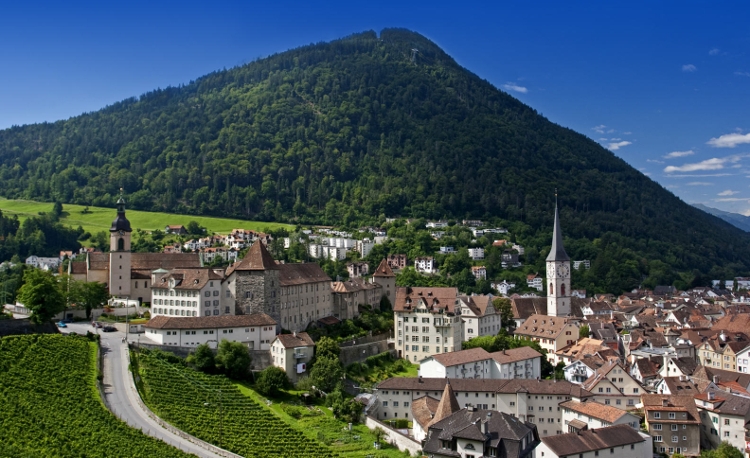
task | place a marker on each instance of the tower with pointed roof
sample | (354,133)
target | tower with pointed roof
(448,404)
(385,277)
(119,253)
(558,273)
(256,283)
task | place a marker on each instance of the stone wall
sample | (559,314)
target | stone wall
(255,293)
(365,339)
(261,359)
(394,437)
(25,326)
(359,353)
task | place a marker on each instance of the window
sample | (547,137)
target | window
(385,403)
(671,415)
(657,414)
(726,421)
(657,426)
(674,427)
(675,438)
(656,438)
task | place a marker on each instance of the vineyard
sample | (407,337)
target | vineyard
(51,407)
(212,408)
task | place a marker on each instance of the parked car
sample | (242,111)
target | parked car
(61,324)
(109,329)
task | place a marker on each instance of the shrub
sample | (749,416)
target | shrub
(271,381)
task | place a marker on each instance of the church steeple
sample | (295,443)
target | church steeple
(557,252)
(121,223)
(558,273)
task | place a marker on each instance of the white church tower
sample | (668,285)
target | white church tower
(119,253)
(558,274)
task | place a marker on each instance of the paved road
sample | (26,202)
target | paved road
(122,398)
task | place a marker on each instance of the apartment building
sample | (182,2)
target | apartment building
(613,385)
(350,294)
(535,401)
(477,363)
(673,422)
(614,442)
(427,321)
(479,316)
(188,292)
(723,416)
(594,414)
(551,332)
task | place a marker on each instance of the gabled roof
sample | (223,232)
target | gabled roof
(435,299)
(257,258)
(548,327)
(462,356)
(423,410)
(590,440)
(674,403)
(596,410)
(383,270)
(298,339)
(294,274)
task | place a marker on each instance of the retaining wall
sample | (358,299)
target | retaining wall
(360,352)
(394,437)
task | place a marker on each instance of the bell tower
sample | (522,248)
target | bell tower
(558,273)
(119,252)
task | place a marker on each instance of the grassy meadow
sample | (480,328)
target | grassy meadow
(99,218)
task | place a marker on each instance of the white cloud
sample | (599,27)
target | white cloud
(702,175)
(618,145)
(729,140)
(713,52)
(742,73)
(728,192)
(746,212)
(627,133)
(514,87)
(716,163)
(654,161)
(675,154)
(689,68)
(599,129)
(733,199)
(700,183)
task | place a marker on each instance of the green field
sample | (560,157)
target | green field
(51,406)
(100,218)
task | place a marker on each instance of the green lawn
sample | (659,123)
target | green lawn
(317,422)
(100,218)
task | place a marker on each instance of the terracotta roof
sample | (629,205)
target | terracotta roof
(531,386)
(257,258)
(448,405)
(595,410)
(201,322)
(383,270)
(544,326)
(435,299)
(592,439)
(703,373)
(646,368)
(462,357)
(299,339)
(328,320)
(585,346)
(515,354)
(423,410)
(677,386)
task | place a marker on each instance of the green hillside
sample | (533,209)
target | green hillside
(354,131)
(95,219)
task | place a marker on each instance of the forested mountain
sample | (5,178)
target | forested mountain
(735,219)
(355,130)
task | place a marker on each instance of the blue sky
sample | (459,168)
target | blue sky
(665,85)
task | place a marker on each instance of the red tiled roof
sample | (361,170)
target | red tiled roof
(201,322)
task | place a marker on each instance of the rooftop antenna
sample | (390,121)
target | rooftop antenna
(414,52)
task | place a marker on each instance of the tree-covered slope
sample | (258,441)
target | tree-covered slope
(353,131)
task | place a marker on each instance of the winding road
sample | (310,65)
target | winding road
(121,396)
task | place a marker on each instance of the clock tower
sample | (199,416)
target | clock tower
(558,274)
(119,253)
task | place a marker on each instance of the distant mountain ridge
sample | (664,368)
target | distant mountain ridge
(735,219)
(356,130)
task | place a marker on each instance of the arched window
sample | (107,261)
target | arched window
(551,288)
(121,244)
(562,290)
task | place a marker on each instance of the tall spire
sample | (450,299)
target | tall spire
(557,252)
(120,223)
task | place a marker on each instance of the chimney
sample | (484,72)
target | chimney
(419,379)
(486,427)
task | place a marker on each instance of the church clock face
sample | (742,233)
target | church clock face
(563,271)
(550,270)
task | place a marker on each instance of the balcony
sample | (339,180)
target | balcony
(299,354)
